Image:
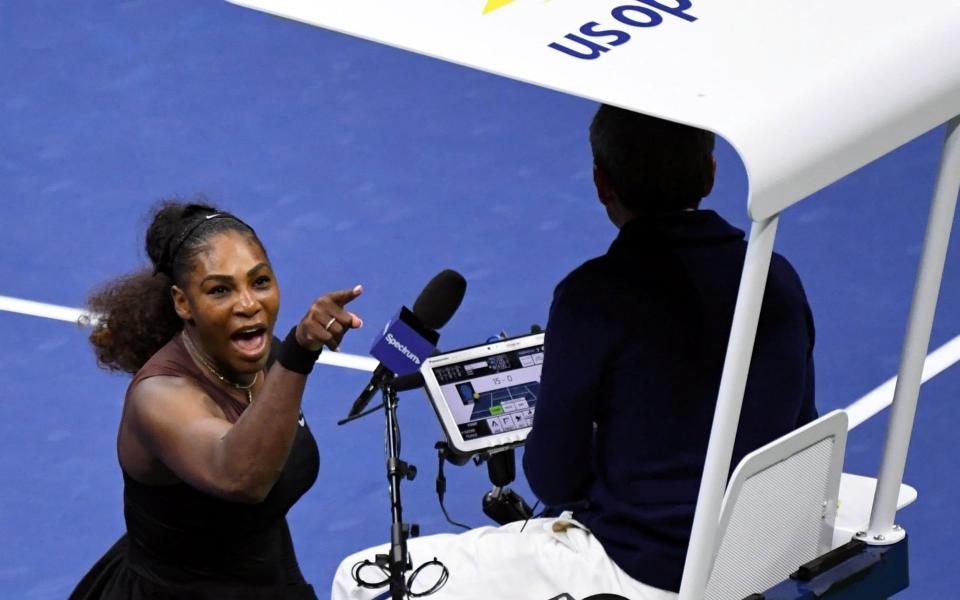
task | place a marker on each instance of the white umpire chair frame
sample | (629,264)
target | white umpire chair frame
(881,529)
(780,509)
(802,109)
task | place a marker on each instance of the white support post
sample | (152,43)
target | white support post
(726,416)
(916,342)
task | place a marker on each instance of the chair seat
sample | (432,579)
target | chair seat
(855,503)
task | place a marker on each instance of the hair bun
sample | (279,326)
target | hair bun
(169,219)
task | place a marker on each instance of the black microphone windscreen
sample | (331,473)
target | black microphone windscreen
(440,299)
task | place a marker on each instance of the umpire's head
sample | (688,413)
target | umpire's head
(648,165)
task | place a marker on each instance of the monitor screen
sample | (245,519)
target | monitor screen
(493,394)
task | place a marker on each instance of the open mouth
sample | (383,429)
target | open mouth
(250,340)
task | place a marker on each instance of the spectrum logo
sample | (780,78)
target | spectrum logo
(402,349)
(594,39)
(493,5)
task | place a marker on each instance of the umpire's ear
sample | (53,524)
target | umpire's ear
(708,184)
(605,192)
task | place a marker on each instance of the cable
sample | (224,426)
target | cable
(372,585)
(441,581)
(451,521)
(532,511)
(442,484)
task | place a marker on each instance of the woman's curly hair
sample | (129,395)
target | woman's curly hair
(135,316)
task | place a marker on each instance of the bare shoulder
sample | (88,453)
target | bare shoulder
(157,412)
(163,404)
(156,396)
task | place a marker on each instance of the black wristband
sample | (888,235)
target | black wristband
(294,357)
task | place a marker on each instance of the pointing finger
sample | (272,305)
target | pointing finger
(342,297)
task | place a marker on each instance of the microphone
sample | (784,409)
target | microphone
(410,336)
(413,381)
(405,383)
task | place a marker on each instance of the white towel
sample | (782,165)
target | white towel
(550,559)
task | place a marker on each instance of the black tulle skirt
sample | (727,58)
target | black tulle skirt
(114,578)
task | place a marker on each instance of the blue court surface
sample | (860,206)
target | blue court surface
(357,163)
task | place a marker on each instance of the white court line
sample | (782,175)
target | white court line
(74,315)
(350,361)
(40,309)
(936,362)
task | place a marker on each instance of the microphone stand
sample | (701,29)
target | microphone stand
(397,562)
(402,383)
(368,411)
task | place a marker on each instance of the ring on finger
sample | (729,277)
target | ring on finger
(329,323)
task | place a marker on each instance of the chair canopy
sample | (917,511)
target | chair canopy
(806,91)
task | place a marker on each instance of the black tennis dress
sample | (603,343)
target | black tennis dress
(184,544)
